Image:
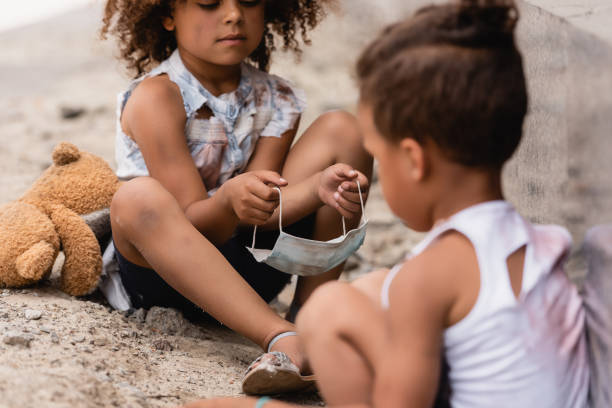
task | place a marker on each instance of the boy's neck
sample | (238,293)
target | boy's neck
(217,79)
(462,188)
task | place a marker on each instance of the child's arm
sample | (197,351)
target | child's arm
(431,292)
(155,118)
(306,196)
(271,152)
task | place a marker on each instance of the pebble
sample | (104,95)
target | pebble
(78,339)
(71,112)
(17,339)
(32,314)
(45,329)
(55,338)
(162,345)
(100,341)
(139,315)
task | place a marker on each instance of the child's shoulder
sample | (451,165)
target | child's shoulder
(159,86)
(274,88)
(444,279)
(156,98)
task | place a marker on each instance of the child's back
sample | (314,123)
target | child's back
(517,344)
(443,100)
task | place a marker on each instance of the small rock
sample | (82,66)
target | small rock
(55,338)
(4,315)
(162,345)
(32,314)
(166,321)
(17,339)
(100,341)
(139,315)
(79,339)
(68,112)
(45,329)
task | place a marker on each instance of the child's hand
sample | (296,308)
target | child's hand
(338,189)
(252,196)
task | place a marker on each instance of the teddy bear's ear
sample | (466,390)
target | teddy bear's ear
(65,153)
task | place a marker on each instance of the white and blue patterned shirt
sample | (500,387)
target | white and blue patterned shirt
(221,146)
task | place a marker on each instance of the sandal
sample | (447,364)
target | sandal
(274,373)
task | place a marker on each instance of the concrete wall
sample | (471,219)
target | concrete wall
(562,172)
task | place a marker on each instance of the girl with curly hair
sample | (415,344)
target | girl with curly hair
(204,137)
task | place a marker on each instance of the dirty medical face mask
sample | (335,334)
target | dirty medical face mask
(307,257)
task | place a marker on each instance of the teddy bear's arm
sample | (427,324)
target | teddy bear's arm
(83,264)
(36,262)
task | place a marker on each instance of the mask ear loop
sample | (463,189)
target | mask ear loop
(361,201)
(362,209)
(280,216)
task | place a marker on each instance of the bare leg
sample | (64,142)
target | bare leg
(333,138)
(150,229)
(343,332)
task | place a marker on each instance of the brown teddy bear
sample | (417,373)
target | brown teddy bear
(49,216)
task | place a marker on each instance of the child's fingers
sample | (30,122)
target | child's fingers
(258,217)
(254,216)
(349,206)
(262,190)
(353,197)
(270,177)
(343,212)
(351,186)
(267,206)
(344,171)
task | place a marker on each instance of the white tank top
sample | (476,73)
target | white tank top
(509,352)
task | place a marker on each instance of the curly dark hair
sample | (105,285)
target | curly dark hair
(450,74)
(143,42)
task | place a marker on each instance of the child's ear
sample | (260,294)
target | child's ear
(415,154)
(168,23)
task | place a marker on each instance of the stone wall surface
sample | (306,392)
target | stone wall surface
(562,171)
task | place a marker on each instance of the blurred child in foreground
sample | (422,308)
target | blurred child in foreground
(443,99)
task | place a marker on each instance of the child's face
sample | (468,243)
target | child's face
(400,171)
(219,32)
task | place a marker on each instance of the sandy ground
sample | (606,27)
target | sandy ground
(59,351)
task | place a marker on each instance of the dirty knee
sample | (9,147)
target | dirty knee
(342,125)
(140,204)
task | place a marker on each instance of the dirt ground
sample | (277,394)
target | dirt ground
(59,82)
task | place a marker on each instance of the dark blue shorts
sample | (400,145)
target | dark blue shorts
(147,289)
